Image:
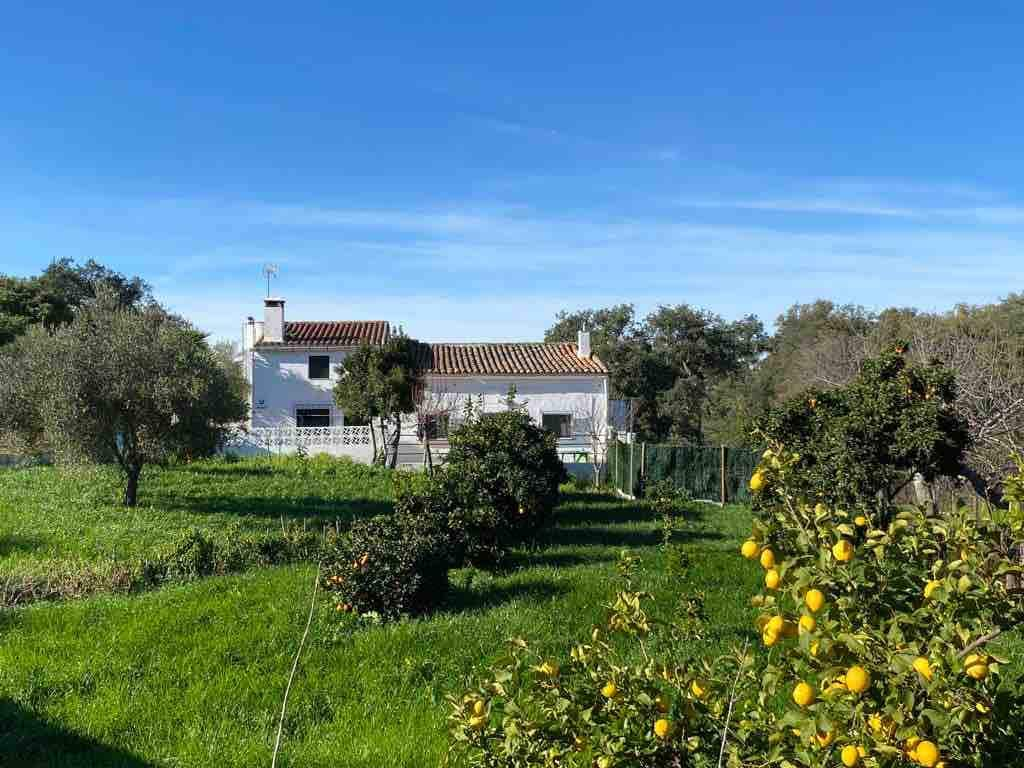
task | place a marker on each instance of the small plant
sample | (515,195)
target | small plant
(670,505)
(596,708)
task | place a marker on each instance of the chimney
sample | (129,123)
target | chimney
(583,343)
(273,320)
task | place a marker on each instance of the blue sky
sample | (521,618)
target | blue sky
(466,171)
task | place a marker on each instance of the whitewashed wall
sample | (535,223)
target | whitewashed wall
(280,383)
(578,396)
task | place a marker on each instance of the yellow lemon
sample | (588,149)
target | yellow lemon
(750,549)
(842,551)
(549,668)
(803,695)
(698,690)
(860,521)
(807,623)
(769,636)
(814,649)
(923,667)
(757,481)
(767,559)
(771,579)
(976,666)
(876,723)
(814,600)
(609,690)
(927,754)
(857,679)
(850,756)
(477,722)
(479,708)
(776,623)
(930,587)
(662,728)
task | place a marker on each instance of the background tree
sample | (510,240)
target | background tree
(52,297)
(123,384)
(667,364)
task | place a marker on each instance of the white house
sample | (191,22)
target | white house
(292,367)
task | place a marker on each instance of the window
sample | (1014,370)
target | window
(436,427)
(559,423)
(312,417)
(319,366)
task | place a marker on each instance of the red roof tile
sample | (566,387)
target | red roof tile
(337,333)
(519,359)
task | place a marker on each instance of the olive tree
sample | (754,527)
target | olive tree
(131,385)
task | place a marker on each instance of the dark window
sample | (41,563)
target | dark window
(319,367)
(559,423)
(435,427)
(312,417)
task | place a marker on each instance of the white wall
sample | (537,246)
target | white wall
(578,396)
(280,383)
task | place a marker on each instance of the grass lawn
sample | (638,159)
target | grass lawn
(192,674)
(51,516)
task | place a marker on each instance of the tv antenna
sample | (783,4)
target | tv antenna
(270,271)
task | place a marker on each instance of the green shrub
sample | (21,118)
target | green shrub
(512,467)
(450,502)
(389,565)
(196,554)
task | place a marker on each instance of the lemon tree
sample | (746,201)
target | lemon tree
(879,622)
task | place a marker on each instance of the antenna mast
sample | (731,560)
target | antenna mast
(269,271)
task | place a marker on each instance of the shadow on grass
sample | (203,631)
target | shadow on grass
(307,507)
(30,741)
(545,558)
(10,543)
(462,598)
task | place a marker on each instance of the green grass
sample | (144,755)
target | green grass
(192,675)
(73,518)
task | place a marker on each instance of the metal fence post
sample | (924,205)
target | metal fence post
(721,472)
(632,476)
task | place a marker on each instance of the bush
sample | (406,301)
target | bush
(447,499)
(389,565)
(512,467)
(196,554)
(596,708)
(860,444)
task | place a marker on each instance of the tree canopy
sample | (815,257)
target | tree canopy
(125,384)
(52,297)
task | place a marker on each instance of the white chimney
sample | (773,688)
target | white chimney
(273,320)
(583,343)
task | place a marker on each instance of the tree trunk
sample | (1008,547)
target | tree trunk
(131,488)
(924,495)
(396,437)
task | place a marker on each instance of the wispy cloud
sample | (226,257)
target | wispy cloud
(459,270)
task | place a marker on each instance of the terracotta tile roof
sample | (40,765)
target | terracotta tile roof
(522,359)
(336,333)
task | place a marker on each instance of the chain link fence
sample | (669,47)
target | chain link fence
(718,474)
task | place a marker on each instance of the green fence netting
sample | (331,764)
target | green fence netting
(697,469)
